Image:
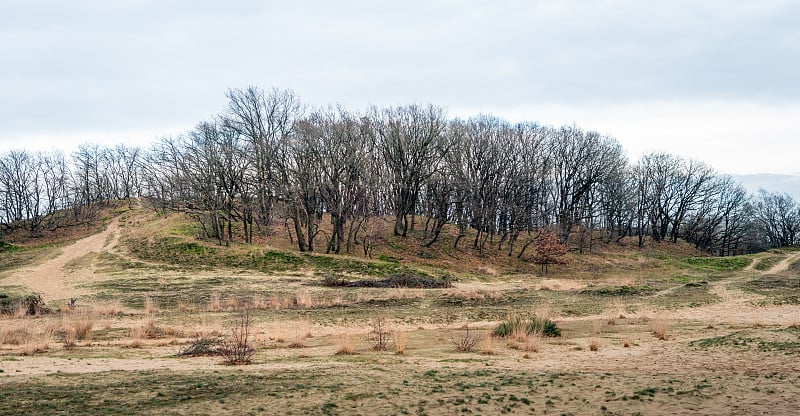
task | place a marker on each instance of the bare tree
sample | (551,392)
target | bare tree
(412,144)
(265,119)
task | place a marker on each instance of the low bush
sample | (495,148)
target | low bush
(530,325)
(27,305)
(202,346)
(407,280)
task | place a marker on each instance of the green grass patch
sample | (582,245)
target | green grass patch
(529,325)
(767,263)
(781,289)
(620,291)
(192,255)
(7,247)
(718,264)
(786,341)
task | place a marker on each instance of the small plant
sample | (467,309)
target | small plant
(16,333)
(345,345)
(237,348)
(594,344)
(512,324)
(81,325)
(214,303)
(464,339)
(202,346)
(380,333)
(487,346)
(37,343)
(70,338)
(627,343)
(399,343)
(30,305)
(659,326)
(137,335)
(521,340)
(149,305)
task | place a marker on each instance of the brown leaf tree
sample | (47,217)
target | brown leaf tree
(549,250)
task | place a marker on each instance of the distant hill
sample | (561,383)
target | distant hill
(772,182)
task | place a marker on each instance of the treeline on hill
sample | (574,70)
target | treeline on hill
(269,158)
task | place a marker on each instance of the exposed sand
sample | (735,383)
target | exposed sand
(54,280)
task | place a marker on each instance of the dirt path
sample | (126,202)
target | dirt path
(784,264)
(53,279)
(737,306)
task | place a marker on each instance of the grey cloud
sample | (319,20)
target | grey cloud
(126,64)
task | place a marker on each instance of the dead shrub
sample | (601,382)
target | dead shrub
(380,333)
(594,344)
(464,339)
(237,348)
(201,346)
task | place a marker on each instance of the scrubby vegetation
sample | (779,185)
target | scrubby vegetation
(527,325)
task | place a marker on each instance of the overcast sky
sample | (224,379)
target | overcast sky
(713,80)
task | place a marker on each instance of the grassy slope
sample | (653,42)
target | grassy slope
(183,275)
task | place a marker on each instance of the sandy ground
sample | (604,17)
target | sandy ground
(647,358)
(54,280)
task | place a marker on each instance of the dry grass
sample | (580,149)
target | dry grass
(214,303)
(400,343)
(304,300)
(137,335)
(344,346)
(299,330)
(465,293)
(39,342)
(111,308)
(597,327)
(594,344)
(487,345)
(20,311)
(16,332)
(525,342)
(185,306)
(660,328)
(149,305)
(26,334)
(206,328)
(78,326)
(545,311)
(147,329)
(70,337)
(617,311)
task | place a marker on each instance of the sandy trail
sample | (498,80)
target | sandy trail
(53,279)
(739,307)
